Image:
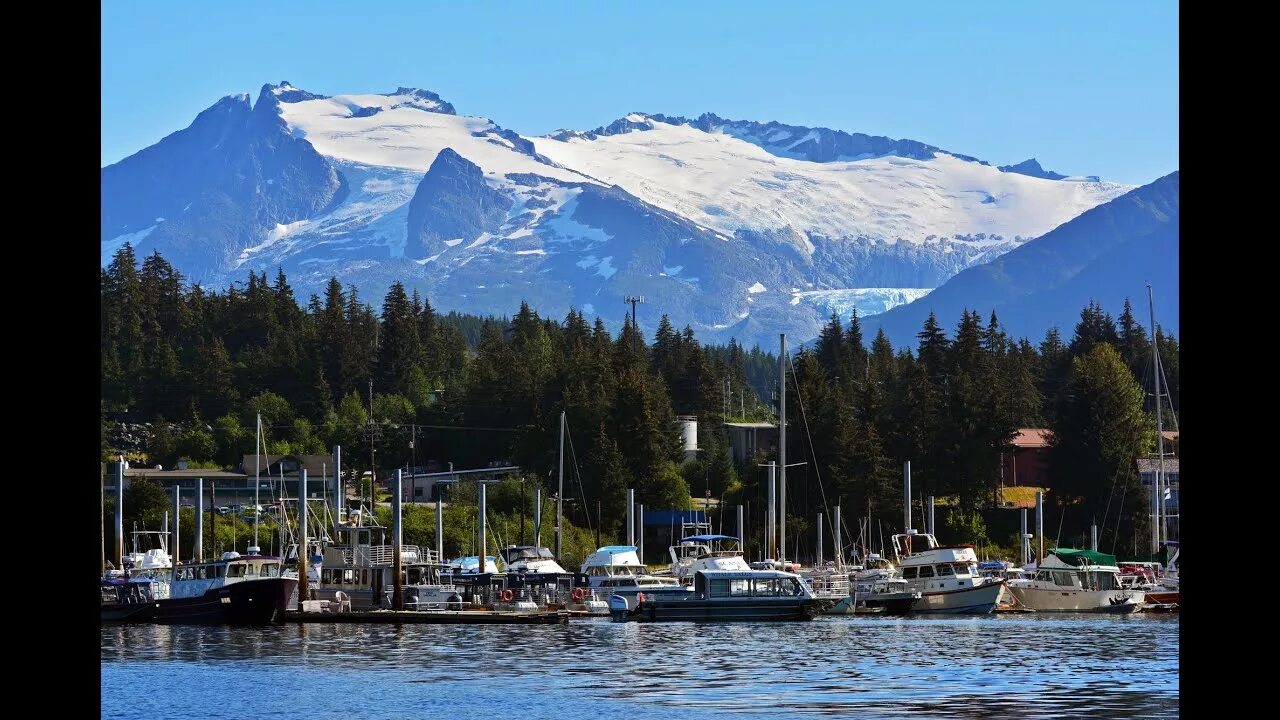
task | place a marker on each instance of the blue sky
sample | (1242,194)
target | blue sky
(1085,87)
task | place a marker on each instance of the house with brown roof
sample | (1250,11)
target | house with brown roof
(1027,462)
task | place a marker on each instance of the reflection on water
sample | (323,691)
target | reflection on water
(1027,666)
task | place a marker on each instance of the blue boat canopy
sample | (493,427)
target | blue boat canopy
(707,538)
(617,548)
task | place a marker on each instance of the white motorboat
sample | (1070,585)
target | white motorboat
(1068,580)
(617,570)
(946,576)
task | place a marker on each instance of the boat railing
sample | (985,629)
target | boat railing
(385,554)
(829,585)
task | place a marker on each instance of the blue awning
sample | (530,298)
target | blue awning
(707,538)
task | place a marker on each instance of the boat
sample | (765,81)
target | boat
(534,575)
(726,595)
(235,590)
(616,571)
(1003,570)
(1069,580)
(126,599)
(946,576)
(1147,577)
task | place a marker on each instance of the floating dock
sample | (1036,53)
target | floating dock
(441,617)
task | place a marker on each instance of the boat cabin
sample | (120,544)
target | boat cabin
(749,584)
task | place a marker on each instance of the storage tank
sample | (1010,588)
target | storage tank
(688,435)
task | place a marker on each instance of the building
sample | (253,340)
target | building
(746,439)
(1026,463)
(285,473)
(1148,468)
(232,487)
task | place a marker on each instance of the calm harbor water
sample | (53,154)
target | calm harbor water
(1025,666)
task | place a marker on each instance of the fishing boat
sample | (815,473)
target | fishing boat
(945,575)
(235,590)
(1069,580)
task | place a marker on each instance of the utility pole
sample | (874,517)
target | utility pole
(634,299)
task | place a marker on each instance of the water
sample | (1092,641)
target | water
(1025,666)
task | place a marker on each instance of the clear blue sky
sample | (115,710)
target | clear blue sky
(1086,87)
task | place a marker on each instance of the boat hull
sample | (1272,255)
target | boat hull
(698,610)
(131,612)
(255,602)
(976,600)
(1067,599)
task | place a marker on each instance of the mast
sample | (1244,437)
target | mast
(337,490)
(397,539)
(199,539)
(303,552)
(771,519)
(560,494)
(782,447)
(120,514)
(257,477)
(1160,532)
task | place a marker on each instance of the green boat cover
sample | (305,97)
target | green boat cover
(1080,558)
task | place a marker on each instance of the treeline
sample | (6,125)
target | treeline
(473,391)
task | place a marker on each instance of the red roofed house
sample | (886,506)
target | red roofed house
(1027,464)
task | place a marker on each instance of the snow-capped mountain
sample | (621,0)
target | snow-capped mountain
(734,227)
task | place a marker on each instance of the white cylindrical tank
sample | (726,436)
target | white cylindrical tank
(688,435)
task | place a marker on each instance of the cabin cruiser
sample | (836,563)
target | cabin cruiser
(945,575)
(534,575)
(1068,580)
(616,570)
(236,589)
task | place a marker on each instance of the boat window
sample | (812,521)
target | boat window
(1064,579)
(946,571)
(184,573)
(236,570)
(926,571)
(326,576)
(719,588)
(795,587)
(738,588)
(219,570)
(270,569)
(348,577)
(364,577)
(962,569)
(909,573)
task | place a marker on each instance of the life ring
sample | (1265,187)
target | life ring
(578,594)
(507,595)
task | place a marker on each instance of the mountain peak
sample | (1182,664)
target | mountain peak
(286,92)
(425,100)
(1031,167)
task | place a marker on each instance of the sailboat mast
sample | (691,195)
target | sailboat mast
(257,478)
(782,448)
(560,493)
(1161,532)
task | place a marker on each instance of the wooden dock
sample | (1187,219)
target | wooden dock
(440,617)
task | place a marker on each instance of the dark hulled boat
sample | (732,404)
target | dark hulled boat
(236,590)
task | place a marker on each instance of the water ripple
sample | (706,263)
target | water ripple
(1025,666)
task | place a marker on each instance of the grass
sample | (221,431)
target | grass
(1020,496)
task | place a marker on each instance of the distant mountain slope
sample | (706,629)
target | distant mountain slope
(1106,254)
(736,228)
